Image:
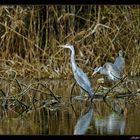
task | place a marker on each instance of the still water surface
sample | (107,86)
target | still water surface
(114,117)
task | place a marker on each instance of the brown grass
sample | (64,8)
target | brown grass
(29,37)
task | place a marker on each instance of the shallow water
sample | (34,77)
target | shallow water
(111,117)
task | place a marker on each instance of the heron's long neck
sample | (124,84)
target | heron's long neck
(73,59)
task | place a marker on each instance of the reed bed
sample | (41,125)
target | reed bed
(29,52)
(30,35)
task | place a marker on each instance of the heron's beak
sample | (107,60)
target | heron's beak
(61,46)
(96,70)
(94,73)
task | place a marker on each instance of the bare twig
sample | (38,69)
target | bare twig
(50,92)
(93,31)
(18,84)
(114,86)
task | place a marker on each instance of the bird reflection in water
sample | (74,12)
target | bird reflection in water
(84,121)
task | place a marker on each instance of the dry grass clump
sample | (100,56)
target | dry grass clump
(29,37)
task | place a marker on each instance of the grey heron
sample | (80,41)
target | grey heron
(110,70)
(80,77)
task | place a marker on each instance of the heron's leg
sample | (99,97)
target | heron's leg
(72,91)
(84,92)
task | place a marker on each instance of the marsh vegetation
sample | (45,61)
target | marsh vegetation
(30,35)
(30,56)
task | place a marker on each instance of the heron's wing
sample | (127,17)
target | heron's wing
(117,73)
(116,76)
(82,79)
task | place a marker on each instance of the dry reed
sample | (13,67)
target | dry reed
(29,37)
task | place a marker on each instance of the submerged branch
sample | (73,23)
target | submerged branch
(114,86)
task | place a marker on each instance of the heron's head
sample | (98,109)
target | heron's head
(107,66)
(68,45)
(120,53)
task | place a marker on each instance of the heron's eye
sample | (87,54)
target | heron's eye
(104,66)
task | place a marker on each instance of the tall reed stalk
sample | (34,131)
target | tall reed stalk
(30,35)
